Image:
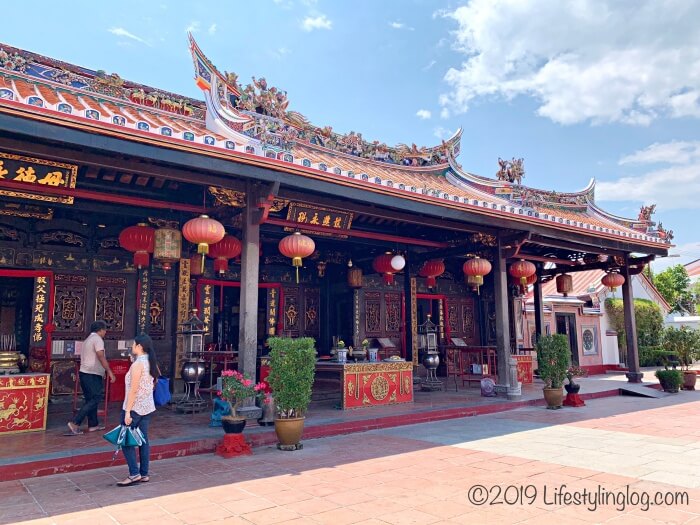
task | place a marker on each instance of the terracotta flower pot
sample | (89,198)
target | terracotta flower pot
(689,379)
(289,430)
(554,397)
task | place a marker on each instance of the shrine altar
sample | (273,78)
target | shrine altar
(23,402)
(366,384)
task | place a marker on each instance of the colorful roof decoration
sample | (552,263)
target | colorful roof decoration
(254,124)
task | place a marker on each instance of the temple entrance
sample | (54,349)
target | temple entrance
(566,325)
(15,314)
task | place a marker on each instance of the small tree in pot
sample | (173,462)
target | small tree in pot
(685,342)
(292,369)
(553,357)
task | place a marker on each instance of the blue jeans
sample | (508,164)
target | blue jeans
(140,422)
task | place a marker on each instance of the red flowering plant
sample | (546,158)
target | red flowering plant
(575,371)
(237,388)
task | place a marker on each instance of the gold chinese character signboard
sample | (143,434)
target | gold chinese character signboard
(317,216)
(38,172)
(40,312)
(272,311)
(207,306)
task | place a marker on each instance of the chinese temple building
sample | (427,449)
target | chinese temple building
(400,246)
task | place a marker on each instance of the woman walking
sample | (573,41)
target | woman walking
(138,407)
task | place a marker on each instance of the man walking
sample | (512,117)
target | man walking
(93,365)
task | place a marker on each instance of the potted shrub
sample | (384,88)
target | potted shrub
(670,380)
(684,342)
(235,389)
(574,371)
(292,368)
(553,356)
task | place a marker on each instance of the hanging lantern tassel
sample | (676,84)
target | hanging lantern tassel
(296,262)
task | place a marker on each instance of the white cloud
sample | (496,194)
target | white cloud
(589,60)
(212,29)
(120,31)
(193,26)
(423,114)
(279,53)
(444,113)
(675,152)
(400,25)
(430,65)
(318,22)
(675,184)
(442,133)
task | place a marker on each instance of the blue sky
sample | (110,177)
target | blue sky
(581,90)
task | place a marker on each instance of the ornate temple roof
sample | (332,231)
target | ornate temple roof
(254,124)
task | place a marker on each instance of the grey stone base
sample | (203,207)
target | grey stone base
(290,448)
(250,412)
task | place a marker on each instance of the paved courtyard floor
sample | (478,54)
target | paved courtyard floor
(528,465)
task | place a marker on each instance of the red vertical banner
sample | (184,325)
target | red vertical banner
(39,351)
(144,301)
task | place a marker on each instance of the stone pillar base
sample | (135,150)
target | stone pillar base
(634,377)
(574,400)
(233,445)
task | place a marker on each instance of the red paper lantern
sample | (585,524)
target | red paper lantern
(138,239)
(296,247)
(382,264)
(203,232)
(565,284)
(521,270)
(612,280)
(523,288)
(431,270)
(475,269)
(196,265)
(227,248)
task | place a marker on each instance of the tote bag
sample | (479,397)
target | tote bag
(124,436)
(161,392)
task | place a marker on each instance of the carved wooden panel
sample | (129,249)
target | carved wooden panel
(453,319)
(110,293)
(373,313)
(393,312)
(468,320)
(312,299)
(158,308)
(292,311)
(69,306)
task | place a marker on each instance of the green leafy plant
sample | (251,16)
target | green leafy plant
(655,356)
(553,358)
(292,369)
(236,388)
(670,380)
(648,318)
(685,342)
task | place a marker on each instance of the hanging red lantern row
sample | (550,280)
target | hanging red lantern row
(521,270)
(203,232)
(612,280)
(475,269)
(139,240)
(431,270)
(565,284)
(296,247)
(383,264)
(227,248)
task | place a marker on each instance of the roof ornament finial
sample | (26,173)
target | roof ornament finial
(511,171)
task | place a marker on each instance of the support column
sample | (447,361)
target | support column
(539,307)
(634,375)
(250,264)
(409,314)
(500,277)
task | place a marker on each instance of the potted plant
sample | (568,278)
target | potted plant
(574,371)
(670,380)
(292,368)
(235,389)
(685,343)
(553,357)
